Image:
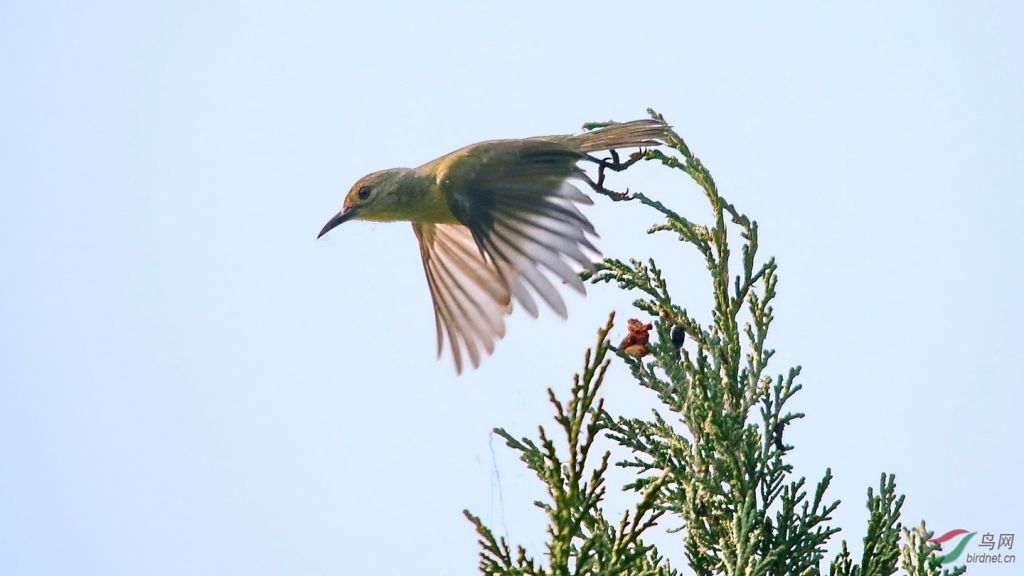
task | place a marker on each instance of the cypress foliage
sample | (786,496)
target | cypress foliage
(713,455)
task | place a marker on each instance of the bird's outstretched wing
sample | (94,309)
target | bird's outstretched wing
(470,298)
(521,229)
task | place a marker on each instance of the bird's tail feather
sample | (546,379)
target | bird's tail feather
(635,134)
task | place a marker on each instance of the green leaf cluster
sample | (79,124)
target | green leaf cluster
(711,460)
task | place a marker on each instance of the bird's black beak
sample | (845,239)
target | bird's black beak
(346,214)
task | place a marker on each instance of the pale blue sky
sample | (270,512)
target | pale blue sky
(191,384)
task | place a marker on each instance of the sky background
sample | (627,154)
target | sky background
(190,383)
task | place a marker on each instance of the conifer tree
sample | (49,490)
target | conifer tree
(713,454)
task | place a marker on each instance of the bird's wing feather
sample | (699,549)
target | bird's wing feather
(516,199)
(470,299)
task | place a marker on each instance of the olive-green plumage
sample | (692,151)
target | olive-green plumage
(493,220)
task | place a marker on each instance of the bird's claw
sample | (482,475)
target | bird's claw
(618,196)
(614,163)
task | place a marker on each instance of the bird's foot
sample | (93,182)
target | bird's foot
(600,189)
(615,164)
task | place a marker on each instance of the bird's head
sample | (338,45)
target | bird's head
(374,197)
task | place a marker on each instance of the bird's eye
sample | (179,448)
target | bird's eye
(364,192)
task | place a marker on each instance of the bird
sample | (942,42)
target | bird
(494,220)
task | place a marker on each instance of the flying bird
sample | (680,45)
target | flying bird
(493,220)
